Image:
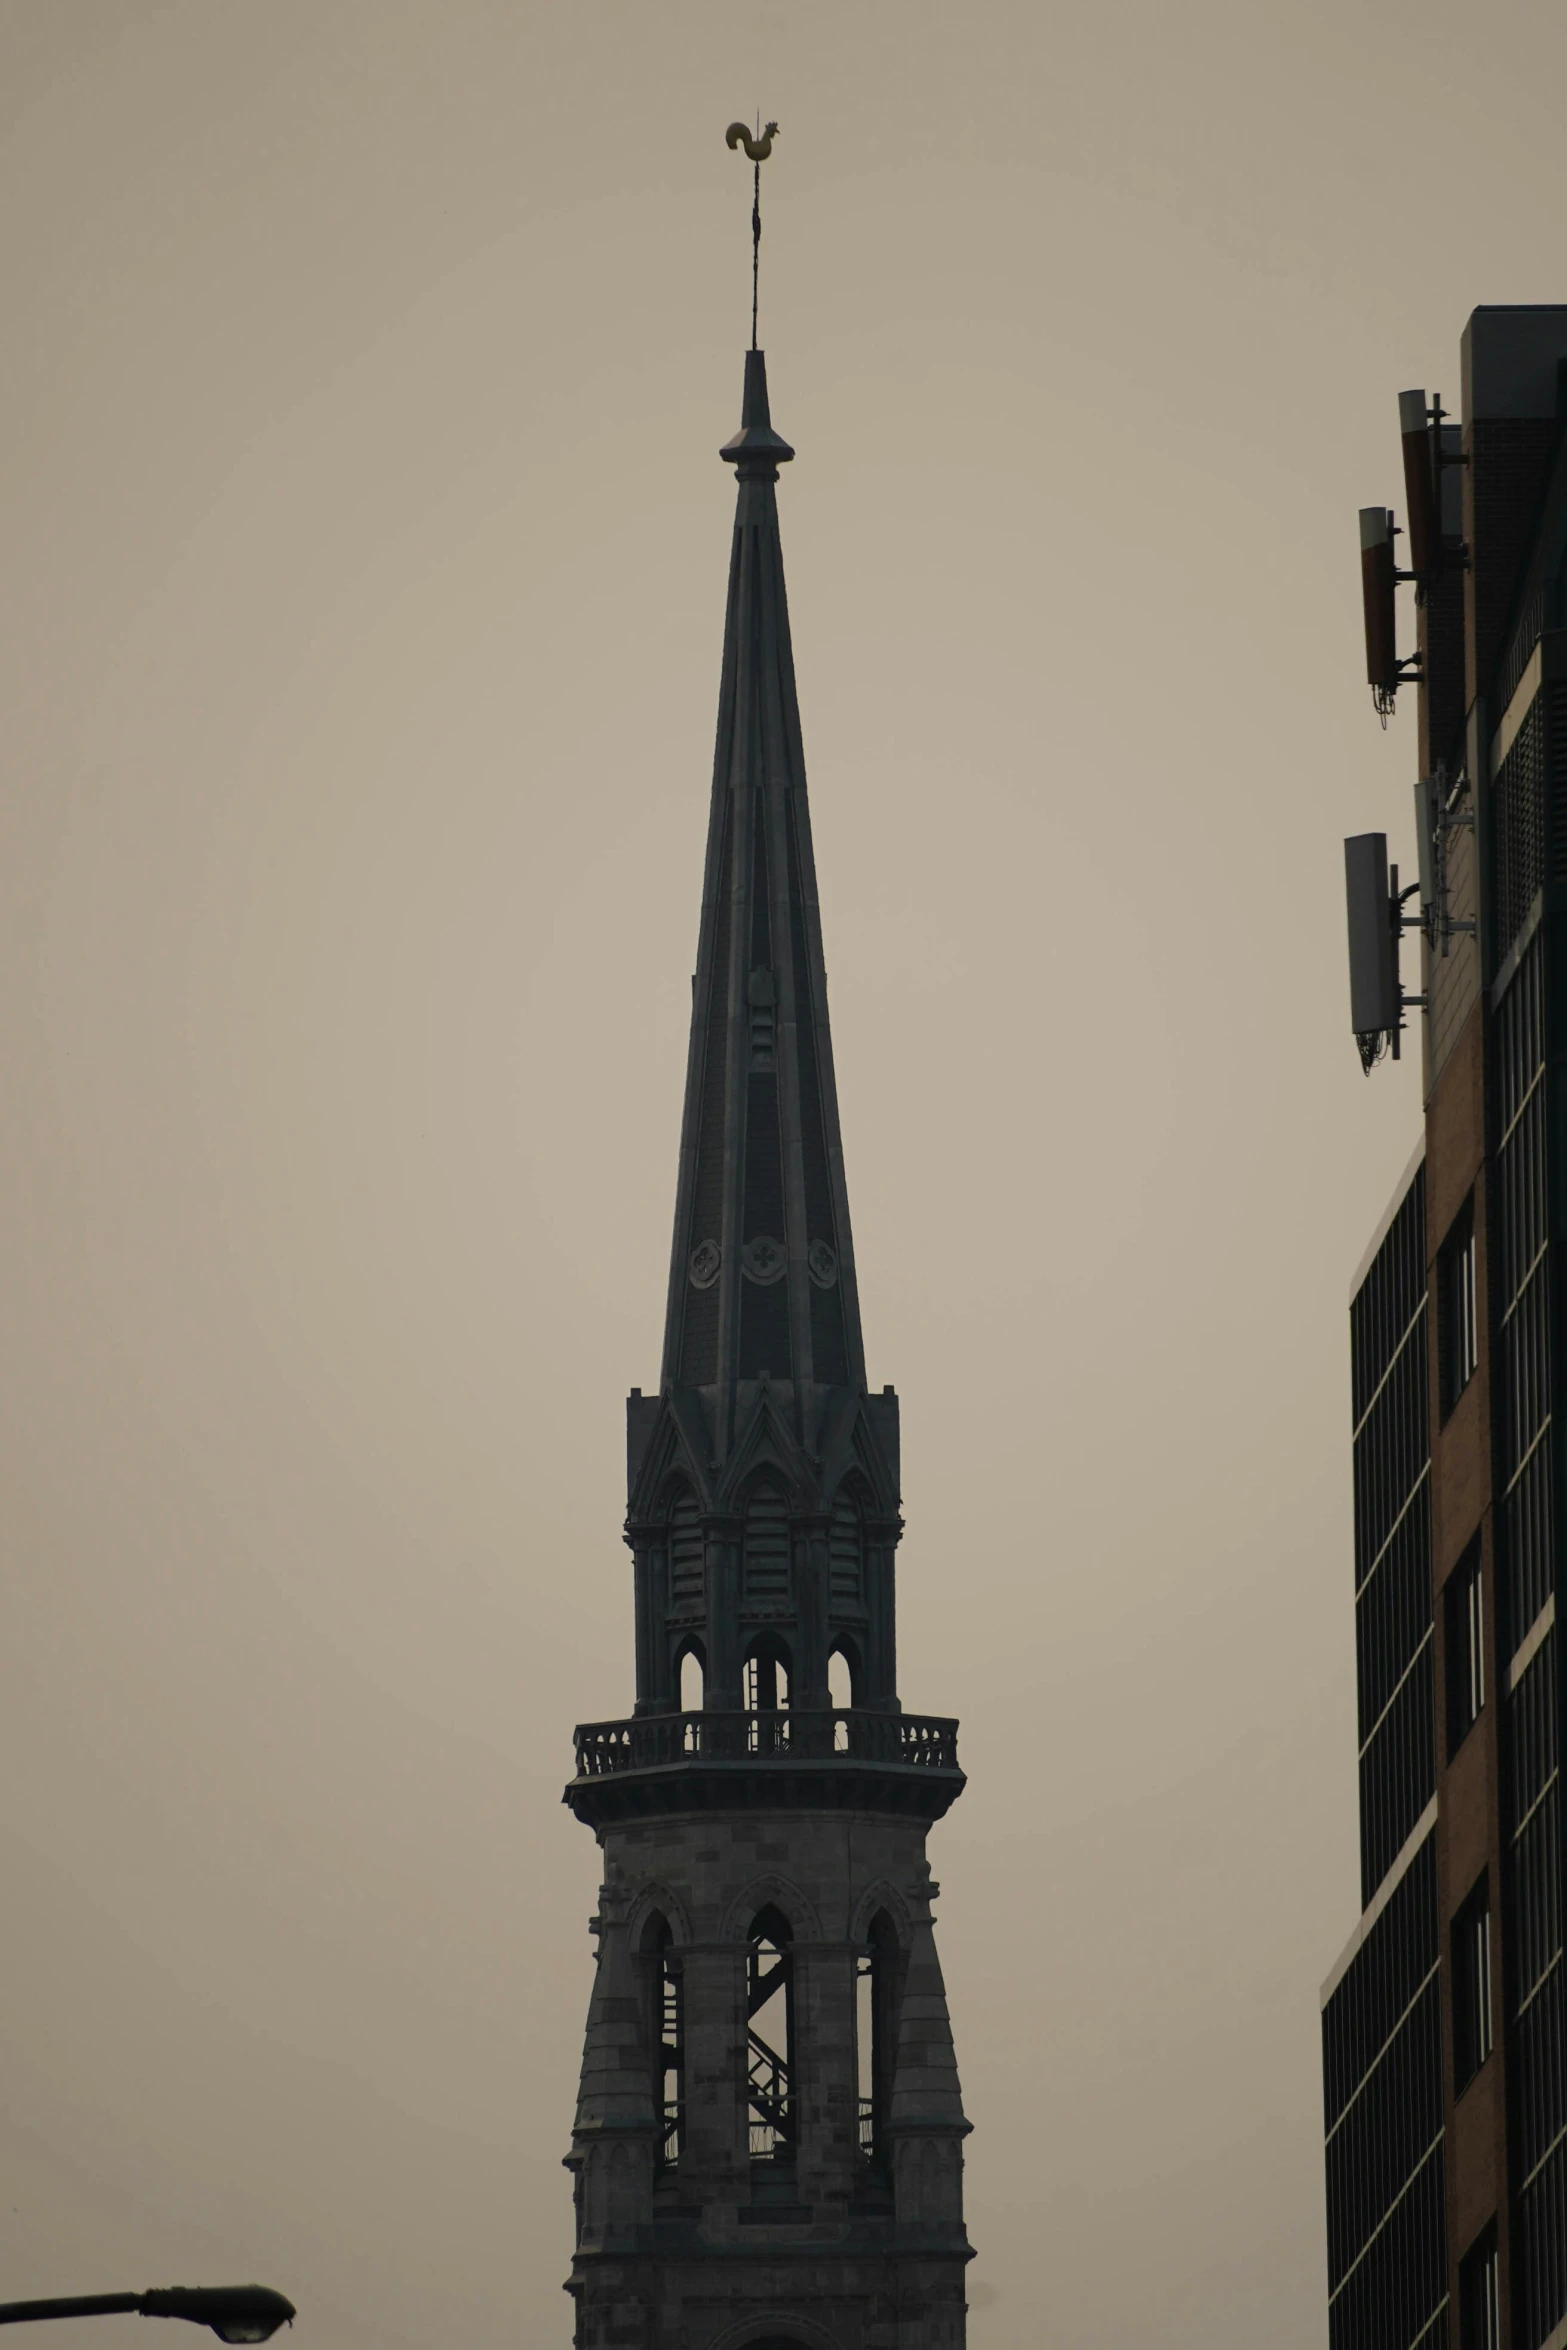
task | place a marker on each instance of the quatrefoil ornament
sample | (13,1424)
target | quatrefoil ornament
(706,1258)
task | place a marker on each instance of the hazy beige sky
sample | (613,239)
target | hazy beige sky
(363,557)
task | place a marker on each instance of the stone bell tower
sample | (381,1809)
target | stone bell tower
(768,2143)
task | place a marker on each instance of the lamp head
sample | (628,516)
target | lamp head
(235,2313)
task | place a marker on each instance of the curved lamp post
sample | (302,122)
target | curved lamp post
(236,2313)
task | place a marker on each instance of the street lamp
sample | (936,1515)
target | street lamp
(236,2313)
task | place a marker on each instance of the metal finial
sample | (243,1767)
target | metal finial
(758,148)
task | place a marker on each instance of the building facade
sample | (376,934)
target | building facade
(768,2141)
(1445,2021)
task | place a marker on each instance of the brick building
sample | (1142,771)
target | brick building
(1445,2020)
(768,2141)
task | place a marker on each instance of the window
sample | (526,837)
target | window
(876,1972)
(666,2033)
(770,1995)
(1464,1602)
(1479,2308)
(689,1667)
(1471,1987)
(767,1677)
(1458,1328)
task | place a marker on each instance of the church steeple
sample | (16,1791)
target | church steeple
(762,1273)
(762,1419)
(768,2141)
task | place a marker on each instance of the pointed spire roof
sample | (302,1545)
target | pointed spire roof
(762,1271)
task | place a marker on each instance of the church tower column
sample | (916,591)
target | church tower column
(647,1572)
(881,1553)
(811,1604)
(769,2135)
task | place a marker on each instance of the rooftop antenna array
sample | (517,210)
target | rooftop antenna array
(1425,455)
(1376,904)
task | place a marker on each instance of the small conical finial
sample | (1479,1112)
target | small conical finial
(756,451)
(758,149)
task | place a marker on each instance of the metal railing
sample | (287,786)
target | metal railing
(647,1741)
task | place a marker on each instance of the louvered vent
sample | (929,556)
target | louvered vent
(685,1556)
(767,1549)
(845,1546)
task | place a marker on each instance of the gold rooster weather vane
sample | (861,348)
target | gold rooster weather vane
(758,149)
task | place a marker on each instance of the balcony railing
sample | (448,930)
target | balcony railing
(650,1741)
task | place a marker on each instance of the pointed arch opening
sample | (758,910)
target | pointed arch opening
(765,1678)
(877,1970)
(769,1972)
(691,1677)
(845,1684)
(767,1674)
(664,2034)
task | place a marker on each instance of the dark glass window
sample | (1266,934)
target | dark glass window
(1479,2310)
(1464,1602)
(1458,1331)
(1471,1987)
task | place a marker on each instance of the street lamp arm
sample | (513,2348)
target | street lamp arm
(236,2313)
(26,2313)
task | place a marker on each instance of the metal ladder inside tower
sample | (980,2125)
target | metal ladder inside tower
(771,2109)
(673,2054)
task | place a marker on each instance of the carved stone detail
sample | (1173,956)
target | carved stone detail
(763,1260)
(706,1260)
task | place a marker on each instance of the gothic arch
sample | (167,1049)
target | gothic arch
(668,1904)
(852,1651)
(765,1471)
(852,1485)
(782,1894)
(765,1446)
(882,1896)
(671,1458)
(774,2329)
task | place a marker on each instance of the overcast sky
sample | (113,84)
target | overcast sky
(364,544)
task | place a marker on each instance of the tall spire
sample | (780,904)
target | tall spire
(762,1272)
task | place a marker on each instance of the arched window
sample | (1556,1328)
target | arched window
(687,1591)
(843,1677)
(766,1695)
(690,1665)
(769,1976)
(767,1549)
(846,1548)
(665,2033)
(766,1676)
(876,2032)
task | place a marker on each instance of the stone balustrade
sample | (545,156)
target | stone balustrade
(851,1734)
